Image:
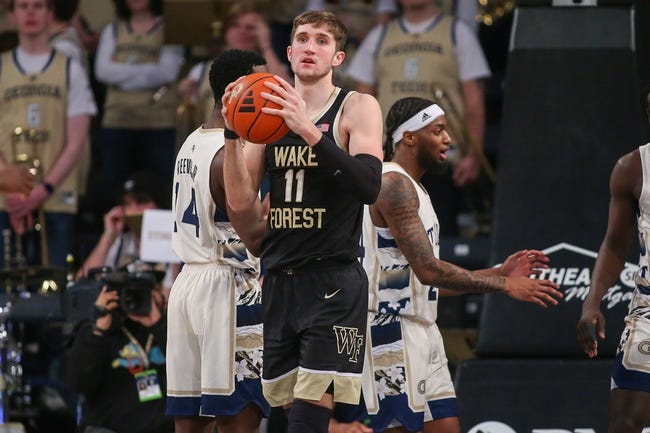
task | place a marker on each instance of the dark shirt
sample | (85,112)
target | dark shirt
(102,368)
(313,216)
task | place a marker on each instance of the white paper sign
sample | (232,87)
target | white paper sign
(156,236)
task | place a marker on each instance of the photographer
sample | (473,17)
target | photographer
(117,360)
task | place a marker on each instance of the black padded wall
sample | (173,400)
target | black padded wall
(570,111)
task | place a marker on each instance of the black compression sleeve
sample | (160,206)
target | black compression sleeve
(360,174)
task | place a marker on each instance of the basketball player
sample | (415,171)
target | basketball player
(47,101)
(629,201)
(400,244)
(217,296)
(321,174)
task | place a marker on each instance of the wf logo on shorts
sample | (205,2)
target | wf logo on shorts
(349,341)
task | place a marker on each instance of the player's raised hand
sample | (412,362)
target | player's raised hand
(225,99)
(590,326)
(524,263)
(540,292)
(294,108)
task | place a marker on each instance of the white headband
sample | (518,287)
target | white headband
(418,121)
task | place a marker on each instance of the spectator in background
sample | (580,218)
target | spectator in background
(119,245)
(57,120)
(89,37)
(117,361)
(244,28)
(443,57)
(465,10)
(65,38)
(138,125)
(359,16)
(280,15)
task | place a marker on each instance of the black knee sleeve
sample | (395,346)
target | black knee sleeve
(308,418)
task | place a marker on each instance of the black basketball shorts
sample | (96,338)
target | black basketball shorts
(314,332)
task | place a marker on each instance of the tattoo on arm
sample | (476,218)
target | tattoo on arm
(398,204)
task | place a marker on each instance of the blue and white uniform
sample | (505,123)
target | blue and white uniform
(406,380)
(214,346)
(632,367)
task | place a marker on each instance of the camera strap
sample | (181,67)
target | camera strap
(144,352)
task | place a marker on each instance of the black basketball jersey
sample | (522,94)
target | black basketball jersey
(312,215)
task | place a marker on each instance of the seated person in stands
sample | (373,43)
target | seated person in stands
(119,245)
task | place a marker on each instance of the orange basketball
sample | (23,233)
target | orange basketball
(245,110)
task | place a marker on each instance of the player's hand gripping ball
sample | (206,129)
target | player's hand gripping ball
(244,110)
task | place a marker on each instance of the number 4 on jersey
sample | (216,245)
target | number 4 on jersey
(190,215)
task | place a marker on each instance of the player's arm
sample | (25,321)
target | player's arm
(397,207)
(243,170)
(522,263)
(625,188)
(363,121)
(243,166)
(359,169)
(248,223)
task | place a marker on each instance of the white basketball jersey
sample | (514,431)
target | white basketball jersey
(393,286)
(202,232)
(640,303)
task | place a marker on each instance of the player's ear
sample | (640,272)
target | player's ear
(338,58)
(408,138)
(289,53)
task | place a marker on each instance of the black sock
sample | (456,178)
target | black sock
(308,418)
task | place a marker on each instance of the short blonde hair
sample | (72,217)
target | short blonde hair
(323,18)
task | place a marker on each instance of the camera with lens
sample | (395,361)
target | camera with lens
(134,290)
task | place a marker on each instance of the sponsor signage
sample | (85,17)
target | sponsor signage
(512,328)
